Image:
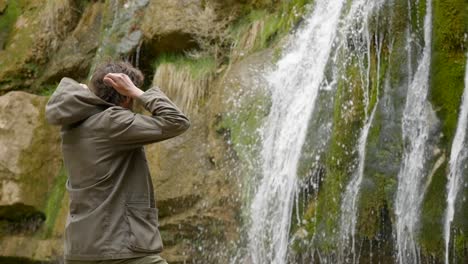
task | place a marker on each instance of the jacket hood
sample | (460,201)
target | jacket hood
(71,103)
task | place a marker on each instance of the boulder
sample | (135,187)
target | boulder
(30,162)
(29,152)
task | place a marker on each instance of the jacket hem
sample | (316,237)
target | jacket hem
(106,256)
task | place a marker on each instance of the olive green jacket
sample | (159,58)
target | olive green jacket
(112,209)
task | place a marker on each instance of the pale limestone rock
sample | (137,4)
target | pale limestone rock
(29,149)
(18,120)
(31,247)
(30,160)
(10,192)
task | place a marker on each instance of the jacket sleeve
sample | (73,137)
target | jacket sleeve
(135,130)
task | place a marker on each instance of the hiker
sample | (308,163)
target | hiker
(112,216)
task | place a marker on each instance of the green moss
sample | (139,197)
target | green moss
(7,21)
(276,22)
(48,90)
(460,241)
(447,84)
(281,22)
(54,202)
(379,191)
(432,216)
(242,125)
(18,66)
(375,196)
(447,76)
(384,144)
(199,67)
(341,156)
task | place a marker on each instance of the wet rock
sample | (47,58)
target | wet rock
(121,25)
(129,42)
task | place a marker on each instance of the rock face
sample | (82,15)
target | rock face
(74,56)
(192,174)
(193,193)
(30,162)
(31,32)
(210,57)
(41,41)
(197,175)
(180,24)
(29,154)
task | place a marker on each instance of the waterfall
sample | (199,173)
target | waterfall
(294,87)
(412,173)
(349,208)
(458,157)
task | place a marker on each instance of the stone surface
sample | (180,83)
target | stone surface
(196,184)
(202,177)
(33,248)
(75,55)
(182,24)
(194,190)
(16,133)
(29,163)
(3,5)
(22,138)
(38,30)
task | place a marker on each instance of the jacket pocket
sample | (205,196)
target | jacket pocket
(143,234)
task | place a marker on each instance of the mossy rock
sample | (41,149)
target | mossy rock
(447,85)
(32,32)
(447,74)
(340,159)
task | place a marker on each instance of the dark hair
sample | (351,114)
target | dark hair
(108,93)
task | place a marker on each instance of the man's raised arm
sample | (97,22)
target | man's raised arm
(126,127)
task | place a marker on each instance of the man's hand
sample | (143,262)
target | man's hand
(122,84)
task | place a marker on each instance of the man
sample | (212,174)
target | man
(112,217)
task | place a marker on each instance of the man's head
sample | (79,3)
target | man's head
(107,92)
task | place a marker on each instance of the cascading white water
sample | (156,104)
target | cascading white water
(359,14)
(294,87)
(458,158)
(412,173)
